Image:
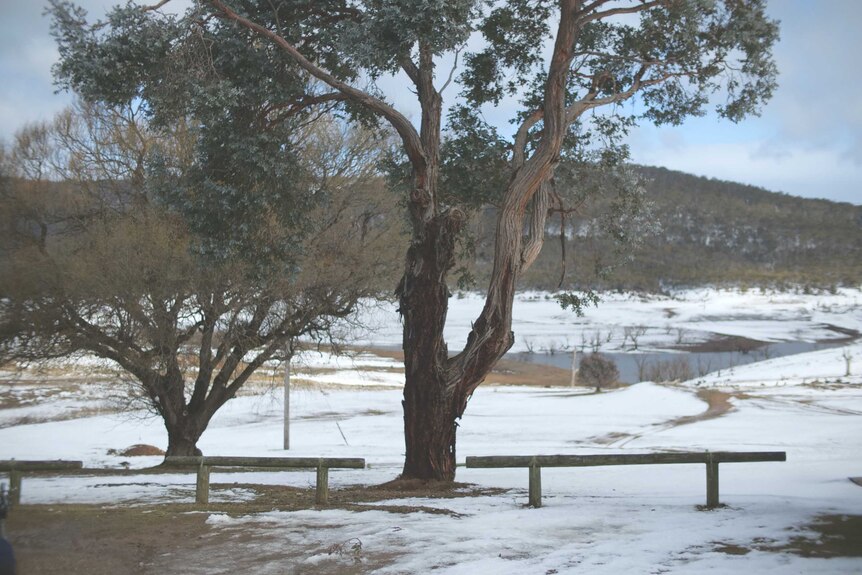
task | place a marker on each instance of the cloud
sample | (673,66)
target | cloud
(807,142)
(816,105)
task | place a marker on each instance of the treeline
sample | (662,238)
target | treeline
(709,232)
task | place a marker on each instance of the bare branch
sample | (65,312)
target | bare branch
(644,6)
(154,6)
(452,71)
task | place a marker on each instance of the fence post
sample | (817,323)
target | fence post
(711,481)
(202,489)
(14,487)
(535,484)
(322,495)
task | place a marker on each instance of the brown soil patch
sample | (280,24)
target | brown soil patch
(511,372)
(826,537)
(138,450)
(507,371)
(718,403)
(850,335)
(723,343)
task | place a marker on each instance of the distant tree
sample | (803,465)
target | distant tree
(668,56)
(598,371)
(98,259)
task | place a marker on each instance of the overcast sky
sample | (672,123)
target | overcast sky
(808,142)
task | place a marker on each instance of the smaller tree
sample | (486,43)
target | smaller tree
(598,371)
(106,252)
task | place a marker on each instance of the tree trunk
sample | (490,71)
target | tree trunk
(429,418)
(429,428)
(183,437)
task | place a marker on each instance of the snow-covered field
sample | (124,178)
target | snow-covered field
(684,317)
(641,519)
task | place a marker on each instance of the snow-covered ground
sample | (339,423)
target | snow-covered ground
(641,519)
(681,318)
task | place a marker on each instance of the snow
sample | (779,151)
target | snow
(540,324)
(805,368)
(627,519)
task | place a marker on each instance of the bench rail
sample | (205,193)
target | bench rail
(710,458)
(321,464)
(15,468)
(276,462)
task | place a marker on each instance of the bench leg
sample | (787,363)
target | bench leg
(321,497)
(535,486)
(712,484)
(202,489)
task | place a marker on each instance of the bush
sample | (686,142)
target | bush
(597,371)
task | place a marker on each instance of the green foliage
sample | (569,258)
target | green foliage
(577,302)
(474,162)
(693,49)
(384,32)
(244,97)
(115,58)
(243,190)
(514,32)
(242,196)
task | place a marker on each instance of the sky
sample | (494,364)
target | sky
(807,142)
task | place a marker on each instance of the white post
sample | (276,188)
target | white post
(289,355)
(574,367)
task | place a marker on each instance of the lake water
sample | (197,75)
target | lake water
(634,367)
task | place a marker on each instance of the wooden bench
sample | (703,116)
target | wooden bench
(322,464)
(710,458)
(16,468)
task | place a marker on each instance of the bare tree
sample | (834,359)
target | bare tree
(95,264)
(634,332)
(598,371)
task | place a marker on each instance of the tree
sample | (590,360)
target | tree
(665,56)
(99,261)
(598,371)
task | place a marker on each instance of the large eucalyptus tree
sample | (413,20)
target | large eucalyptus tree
(572,66)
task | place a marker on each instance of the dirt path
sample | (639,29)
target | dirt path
(718,403)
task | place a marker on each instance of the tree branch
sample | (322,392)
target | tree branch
(399,122)
(541,204)
(619,11)
(452,71)
(519,150)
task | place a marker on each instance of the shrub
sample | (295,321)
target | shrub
(597,371)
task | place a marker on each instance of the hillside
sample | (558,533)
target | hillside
(712,232)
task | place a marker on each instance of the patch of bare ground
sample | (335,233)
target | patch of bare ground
(137,450)
(511,372)
(723,344)
(717,402)
(850,334)
(507,371)
(176,538)
(825,537)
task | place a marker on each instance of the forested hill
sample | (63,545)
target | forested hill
(712,232)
